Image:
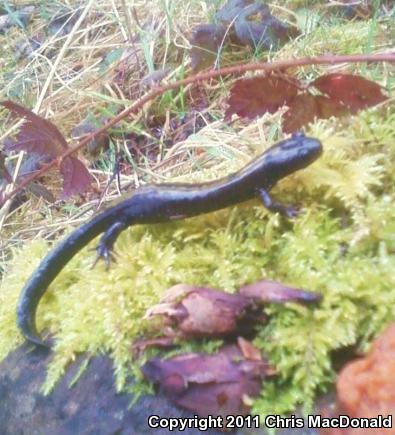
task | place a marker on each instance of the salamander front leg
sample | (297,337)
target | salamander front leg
(107,241)
(287,210)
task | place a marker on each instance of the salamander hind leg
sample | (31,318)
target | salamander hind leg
(106,243)
(288,210)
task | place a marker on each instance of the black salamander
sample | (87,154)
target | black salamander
(163,202)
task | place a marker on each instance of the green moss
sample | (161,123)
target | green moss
(342,245)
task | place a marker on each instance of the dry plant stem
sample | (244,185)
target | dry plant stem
(203,76)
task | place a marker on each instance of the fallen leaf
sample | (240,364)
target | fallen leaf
(209,384)
(302,110)
(305,108)
(353,91)
(255,96)
(266,32)
(206,40)
(254,25)
(36,134)
(203,312)
(275,292)
(354,9)
(186,311)
(39,136)
(76,177)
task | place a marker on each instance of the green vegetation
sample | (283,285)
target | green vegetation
(342,245)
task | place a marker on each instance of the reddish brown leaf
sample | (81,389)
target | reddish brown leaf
(255,96)
(275,292)
(39,136)
(304,108)
(76,177)
(355,92)
(36,135)
(328,107)
(203,312)
(187,311)
(209,384)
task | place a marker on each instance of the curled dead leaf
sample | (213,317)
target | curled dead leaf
(216,384)
(274,292)
(191,312)
(203,312)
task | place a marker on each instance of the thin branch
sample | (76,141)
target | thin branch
(204,76)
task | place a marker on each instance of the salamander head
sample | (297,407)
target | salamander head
(293,154)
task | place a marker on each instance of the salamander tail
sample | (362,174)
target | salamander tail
(28,328)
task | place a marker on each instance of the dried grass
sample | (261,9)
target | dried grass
(67,77)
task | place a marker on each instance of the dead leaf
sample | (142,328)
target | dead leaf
(191,312)
(39,136)
(206,40)
(26,47)
(255,96)
(209,384)
(353,91)
(305,108)
(36,134)
(254,25)
(266,32)
(354,9)
(76,177)
(275,292)
(202,312)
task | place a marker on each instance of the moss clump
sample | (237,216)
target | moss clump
(343,245)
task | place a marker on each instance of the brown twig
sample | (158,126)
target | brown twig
(203,76)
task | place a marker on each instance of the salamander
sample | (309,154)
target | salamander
(163,202)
